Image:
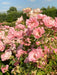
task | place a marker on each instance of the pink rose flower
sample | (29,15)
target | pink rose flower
(37,32)
(48,22)
(55,38)
(19,20)
(2,34)
(27,32)
(41,16)
(56,19)
(20,26)
(19,34)
(2,47)
(55,50)
(37,10)
(20,52)
(11,33)
(15,34)
(7,27)
(4,69)
(46,50)
(5,56)
(38,43)
(52,39)
(35,54)
(26,10)
(32,22)
(39,66)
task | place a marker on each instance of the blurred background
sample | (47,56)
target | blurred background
(10,10)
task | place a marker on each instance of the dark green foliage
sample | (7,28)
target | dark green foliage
(52,12)
(11,15)
(11,24)
(12,9)
(14,15)
(3,17)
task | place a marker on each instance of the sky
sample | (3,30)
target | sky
(21,4)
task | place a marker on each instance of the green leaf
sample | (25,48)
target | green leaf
(1,73)
(12,62)
(40,73)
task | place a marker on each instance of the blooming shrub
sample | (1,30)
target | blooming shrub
(29,48)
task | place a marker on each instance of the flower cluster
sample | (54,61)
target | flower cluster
(32,12)
(34,42)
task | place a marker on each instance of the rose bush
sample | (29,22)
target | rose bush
(29,48)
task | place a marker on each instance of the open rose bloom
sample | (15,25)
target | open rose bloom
(29,45)
(4,69)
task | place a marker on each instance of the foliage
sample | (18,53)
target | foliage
(50,11)
(12,9)
(3,17)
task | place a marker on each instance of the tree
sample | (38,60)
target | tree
(3,17)
(43,8)
(12,9)
(48,7)
(12,16)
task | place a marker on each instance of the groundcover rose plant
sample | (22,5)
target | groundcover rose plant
(29,48)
